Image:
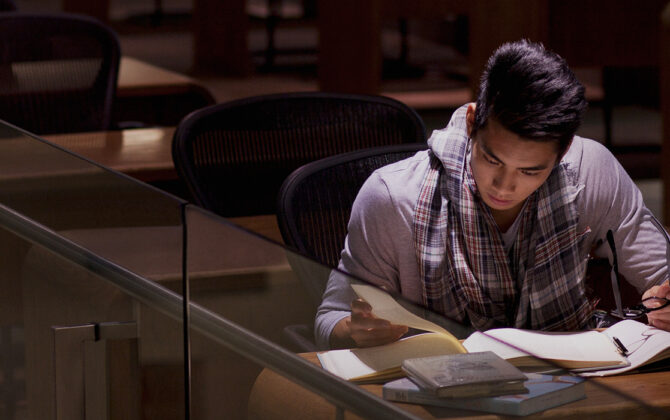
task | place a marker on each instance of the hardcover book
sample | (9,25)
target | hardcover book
(465,375)
(544,392)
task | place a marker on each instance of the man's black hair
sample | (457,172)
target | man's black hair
(531,92)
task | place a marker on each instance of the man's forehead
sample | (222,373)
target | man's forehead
(494,133)
(516,151)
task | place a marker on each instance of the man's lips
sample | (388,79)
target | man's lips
(498,201)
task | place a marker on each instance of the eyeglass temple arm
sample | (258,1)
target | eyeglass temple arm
(614,275)
(615,266)
(660,227)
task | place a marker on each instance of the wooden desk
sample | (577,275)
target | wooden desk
(219,31)
(275,397)
(154,95)
(137,77)
(265,225)
(143,153)
(146,154)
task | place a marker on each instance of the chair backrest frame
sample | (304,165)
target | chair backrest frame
(261,139)
(335,207)
(59,72)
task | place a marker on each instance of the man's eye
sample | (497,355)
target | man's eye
(530,173)
(491,161)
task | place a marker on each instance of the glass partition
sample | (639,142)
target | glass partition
(95,267)
(91,271)
(240,278)
(272,293)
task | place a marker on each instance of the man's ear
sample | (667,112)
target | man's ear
(565,151)
(470,117)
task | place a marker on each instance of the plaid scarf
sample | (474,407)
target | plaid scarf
(466,273)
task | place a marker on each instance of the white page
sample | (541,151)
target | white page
(352,363)
(344,364)
(579,346)
(642,341)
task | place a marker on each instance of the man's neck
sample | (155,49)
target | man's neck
(505,218)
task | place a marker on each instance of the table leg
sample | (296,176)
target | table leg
(350,57)
(220,30)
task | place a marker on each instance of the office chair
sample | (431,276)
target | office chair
(234,156)
(314,205)
(58,72)
(315,200)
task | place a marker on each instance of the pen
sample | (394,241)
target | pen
(620,346)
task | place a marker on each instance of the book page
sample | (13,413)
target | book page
(344,364)
(421,345)
(643,343)
(587,346)
(385,307)
(352,363)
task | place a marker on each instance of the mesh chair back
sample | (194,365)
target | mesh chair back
(315,201)
(58,72)
(234,156)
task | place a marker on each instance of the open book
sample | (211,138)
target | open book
(583,351)
(541,350)
(382,363)
(643,345)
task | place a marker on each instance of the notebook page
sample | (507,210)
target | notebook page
(580,346)
(643,343)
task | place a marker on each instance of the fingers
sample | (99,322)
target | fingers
(660,321)
(381,333)
(361,308)
(661,318)
(368,330)
(663,290)
(659,291)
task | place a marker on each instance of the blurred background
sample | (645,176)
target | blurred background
(427,54)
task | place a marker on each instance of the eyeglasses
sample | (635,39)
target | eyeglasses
(647,305)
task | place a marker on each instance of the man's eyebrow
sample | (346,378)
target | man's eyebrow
(486,150)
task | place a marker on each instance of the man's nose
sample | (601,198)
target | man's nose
(505,181)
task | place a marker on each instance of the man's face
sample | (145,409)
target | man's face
(508,168)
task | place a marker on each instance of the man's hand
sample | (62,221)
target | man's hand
(661,318)
(363,329)
(368,330)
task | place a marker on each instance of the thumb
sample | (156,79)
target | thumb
(663,290)
(360,306)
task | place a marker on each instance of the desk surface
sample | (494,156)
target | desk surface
(138,78)
(275,397)
(144,153)
(156,96)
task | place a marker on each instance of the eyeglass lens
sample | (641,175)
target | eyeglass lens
(647,305)
(653,303)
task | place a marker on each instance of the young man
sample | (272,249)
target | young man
(494,224)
